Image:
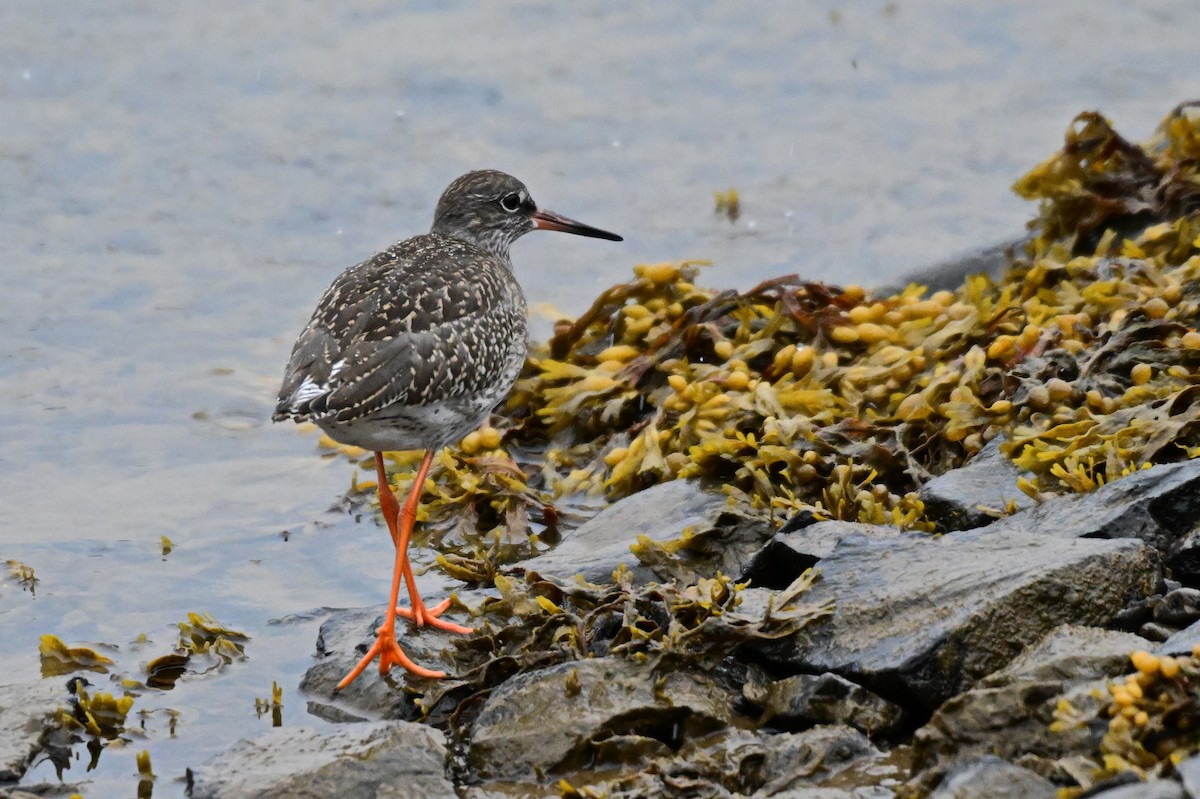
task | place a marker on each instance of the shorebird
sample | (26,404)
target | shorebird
(412,349)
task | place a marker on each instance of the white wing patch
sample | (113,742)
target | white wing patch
(308,390)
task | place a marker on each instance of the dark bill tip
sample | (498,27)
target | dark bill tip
(548,220)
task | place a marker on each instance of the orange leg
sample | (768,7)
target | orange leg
(400,523)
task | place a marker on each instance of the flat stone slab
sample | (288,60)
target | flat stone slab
(801,546)
(356,761)
(1071,652)
(1160,505)
(918,619)
(970,496)
(599,545)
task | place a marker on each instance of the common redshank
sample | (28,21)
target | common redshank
(412,349)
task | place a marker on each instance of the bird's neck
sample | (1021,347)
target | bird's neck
(493,242)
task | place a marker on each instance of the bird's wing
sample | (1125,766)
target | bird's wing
(416,324)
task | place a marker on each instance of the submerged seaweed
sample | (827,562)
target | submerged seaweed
(58,659)
(24,576)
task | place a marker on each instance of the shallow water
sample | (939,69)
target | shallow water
(180,182)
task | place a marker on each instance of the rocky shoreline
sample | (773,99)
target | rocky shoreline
(958,649)
(782,598)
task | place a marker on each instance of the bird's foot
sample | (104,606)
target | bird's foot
(424,616)
(390,654)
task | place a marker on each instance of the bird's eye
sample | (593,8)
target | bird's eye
(511,202)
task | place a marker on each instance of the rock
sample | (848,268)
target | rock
(343,640)
(949,274)
(1184,557)
(801,544)
(1010,713)
(793,759)
(1070,652)
(1153,631)
(917,619)
(596,547)
(976,494)
(735,763)
(1182,642)
(825,793)
(806,699)
(367,761)
(26,713)
(1178,608)
(1136,613)
(1159,505)
(595,710)
(992,778)
(1011,722)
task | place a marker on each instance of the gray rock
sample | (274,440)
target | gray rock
(917,619)
(508,791)
(821,699)
(949,274)
(992,778)
(822,792)
(735,763)
(1184,556)
(1070,652)
(596,547)
(26,713)
(343,640)
(790,760)
(800,546)
(47,790)
(595,710)
(379,760)
(1159,505)
(1179,607)
(1182,642)
(1010,722)
(1153,631)
(975,494)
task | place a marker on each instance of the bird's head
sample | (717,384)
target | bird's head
(492,210)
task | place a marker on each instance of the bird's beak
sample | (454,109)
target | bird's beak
(548,220)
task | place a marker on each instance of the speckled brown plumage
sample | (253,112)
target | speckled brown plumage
(411,349)
(430,321)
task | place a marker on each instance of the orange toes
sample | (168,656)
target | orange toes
(424,616)
(390,654)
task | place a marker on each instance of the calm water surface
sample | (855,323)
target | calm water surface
(179,182)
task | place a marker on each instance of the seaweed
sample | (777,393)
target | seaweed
(1153,720)
(540,621)
(24,576)
(58,659)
